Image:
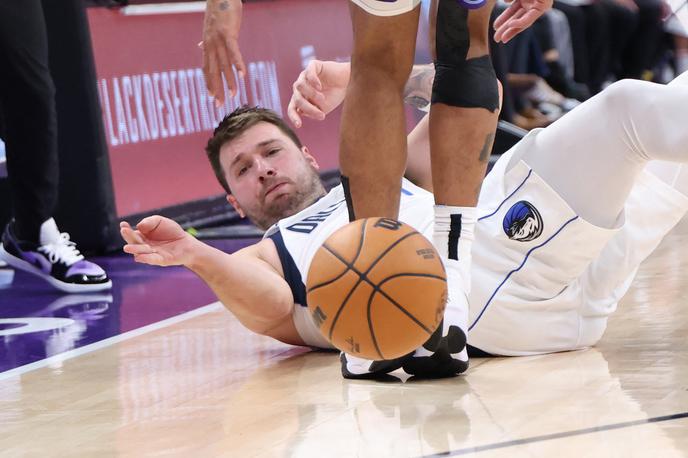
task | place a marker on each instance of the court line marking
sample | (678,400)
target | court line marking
(61,357)
(546,437)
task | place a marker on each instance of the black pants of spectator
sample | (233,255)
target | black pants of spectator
(27,109)
(641,52)
(589,36)
(501,67)
(623,25)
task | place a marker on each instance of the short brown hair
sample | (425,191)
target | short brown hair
(235,124)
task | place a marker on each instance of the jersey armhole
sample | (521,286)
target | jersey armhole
(291,273)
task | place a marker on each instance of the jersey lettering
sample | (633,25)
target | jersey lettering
(310,223)
(319,316)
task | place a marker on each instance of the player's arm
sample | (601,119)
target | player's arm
(246,282)
(321,88)
(220,45)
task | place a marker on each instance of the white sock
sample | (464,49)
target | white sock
(454,243)
(455,250)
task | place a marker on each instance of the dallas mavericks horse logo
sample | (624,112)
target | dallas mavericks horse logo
(522,222)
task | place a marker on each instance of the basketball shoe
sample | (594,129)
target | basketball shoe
(55,259)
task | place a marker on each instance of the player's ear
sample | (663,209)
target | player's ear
(309,158)
(235,203)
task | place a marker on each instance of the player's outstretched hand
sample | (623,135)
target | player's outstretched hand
(519,16)
(318,90)
(157,241)
(220,45)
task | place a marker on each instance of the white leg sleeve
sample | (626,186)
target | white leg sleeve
(593,155)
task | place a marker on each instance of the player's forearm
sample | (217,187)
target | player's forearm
(418,169)
(222,15)
(418,90)
(221,5)
(239,282)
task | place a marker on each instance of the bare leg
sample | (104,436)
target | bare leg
(461,138)
(372,150)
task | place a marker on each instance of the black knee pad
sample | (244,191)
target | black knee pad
(471,85)
(460,82)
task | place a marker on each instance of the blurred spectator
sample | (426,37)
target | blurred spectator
(28,124)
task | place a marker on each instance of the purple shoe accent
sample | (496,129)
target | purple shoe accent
(472,4)
(85,268)
(37,260)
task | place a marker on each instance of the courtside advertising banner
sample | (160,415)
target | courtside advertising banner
(156,111)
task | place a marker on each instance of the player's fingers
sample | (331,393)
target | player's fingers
(506,15)
(226,69)
(525,20)
(225,60)
(127,235)
(306,108)
(509,34)
(149,224)
(501,34)
(312,74)
(206,67)
(293,114)
(131,236)
(151,259)
(235,57)
(137,249)
(308,91)
(214,80)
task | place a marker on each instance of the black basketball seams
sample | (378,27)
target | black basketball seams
(411,274)
(358,253)
(402,309)
(329,282)
(360,243)
(341,307)
(370,324)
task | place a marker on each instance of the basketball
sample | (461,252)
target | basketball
(377,289)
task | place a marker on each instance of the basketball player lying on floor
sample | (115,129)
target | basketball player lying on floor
(566,217)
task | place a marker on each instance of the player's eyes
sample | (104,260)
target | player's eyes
(242,171)
(272,152)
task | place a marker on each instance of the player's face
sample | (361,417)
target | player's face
(270,177)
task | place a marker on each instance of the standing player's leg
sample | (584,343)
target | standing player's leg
(372,148)
(463,119)
(372,153)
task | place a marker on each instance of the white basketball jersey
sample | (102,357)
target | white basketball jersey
(299,237)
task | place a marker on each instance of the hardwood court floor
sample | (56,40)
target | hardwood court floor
(206,387)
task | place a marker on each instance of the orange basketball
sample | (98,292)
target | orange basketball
(377,289)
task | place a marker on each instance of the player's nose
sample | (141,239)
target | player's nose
(265,169)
